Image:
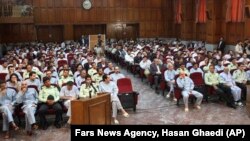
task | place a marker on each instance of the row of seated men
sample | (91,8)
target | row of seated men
(25,86)
(226,73)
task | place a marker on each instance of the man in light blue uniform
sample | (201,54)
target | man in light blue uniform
(169,75)
(33,80)
(29,98)
(187,86)
(7,100)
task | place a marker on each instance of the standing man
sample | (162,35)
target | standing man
(221,45)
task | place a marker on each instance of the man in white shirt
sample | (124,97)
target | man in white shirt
(4,68)
(238,48)
(227,80)
(68,93)
(145,64)
(129,58)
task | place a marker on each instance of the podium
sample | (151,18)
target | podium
(91,111)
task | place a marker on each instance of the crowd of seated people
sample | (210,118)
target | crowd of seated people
(48,76)
(38,78)
(172,63)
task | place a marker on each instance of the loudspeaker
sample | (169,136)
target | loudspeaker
(247,12)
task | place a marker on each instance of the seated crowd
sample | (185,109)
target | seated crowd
(37,78)
(42,77)
(174,64)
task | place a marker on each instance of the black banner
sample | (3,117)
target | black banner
(222,132)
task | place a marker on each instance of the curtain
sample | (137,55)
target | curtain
(201,7)
(177,13)
(235,11)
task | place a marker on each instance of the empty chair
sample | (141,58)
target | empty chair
(126,94)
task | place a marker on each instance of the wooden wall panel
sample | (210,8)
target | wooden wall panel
(104,11)
(212,30)
(80,30)
(17,33)
(50,33)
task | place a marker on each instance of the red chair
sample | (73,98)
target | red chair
(163,83)
(232,71)
(1,62)
(60,63)
(199,84)
(70,57)
(18,110)
(177,91)
(2,76)
(197,78)
(126,94)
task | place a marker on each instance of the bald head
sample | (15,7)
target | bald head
(182,74)
(117,70)
(226,69)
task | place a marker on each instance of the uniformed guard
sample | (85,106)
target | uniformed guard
(93,69)
(98,76)
(182,69)
(88,89)
(240,78)
(213,79)
(65,78)
(49,96)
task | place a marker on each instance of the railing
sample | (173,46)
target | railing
(9,8)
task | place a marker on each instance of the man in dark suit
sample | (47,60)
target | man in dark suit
(155,71)
(221,45)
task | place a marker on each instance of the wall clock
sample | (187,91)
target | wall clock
(87,4)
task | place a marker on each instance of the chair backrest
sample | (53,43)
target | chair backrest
(2,76)
(232,71)
(197,78)
(13,89)
(124,85)
(34,87)
(61,63)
